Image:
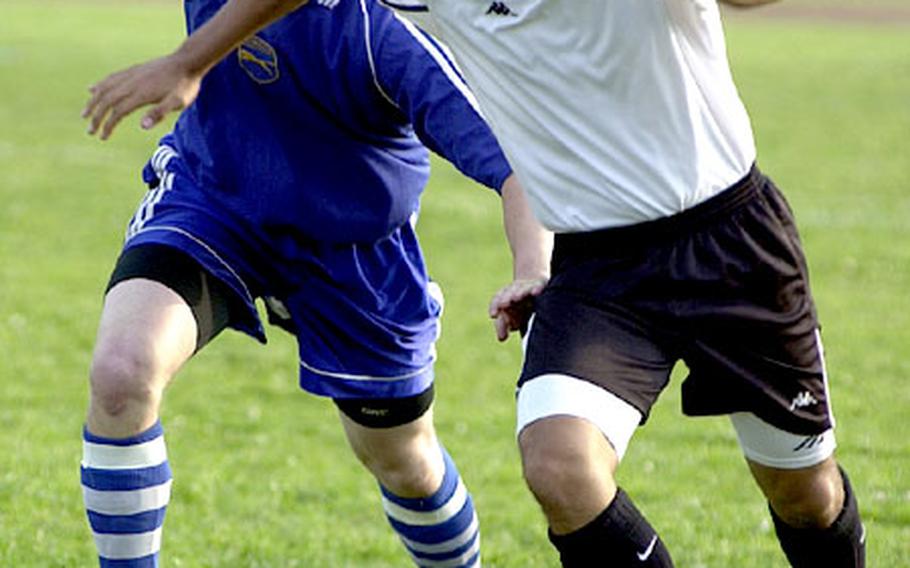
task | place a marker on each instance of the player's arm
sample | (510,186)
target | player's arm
(531,247)
(418,77)
(170,83)
(746,3)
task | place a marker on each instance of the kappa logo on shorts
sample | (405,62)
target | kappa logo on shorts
(259,59)
(328,3)
(810,442)
(803,400)
(501,9)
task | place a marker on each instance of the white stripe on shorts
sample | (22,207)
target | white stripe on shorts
(555,395)
(769,445)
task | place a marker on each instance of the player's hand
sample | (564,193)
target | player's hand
(512,306)
(163,83)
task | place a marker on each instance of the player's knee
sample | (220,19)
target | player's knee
(808,498)
(121,378)
(414,476)
(556,474)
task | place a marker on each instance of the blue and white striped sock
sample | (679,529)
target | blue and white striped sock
(439,531)
(126,485)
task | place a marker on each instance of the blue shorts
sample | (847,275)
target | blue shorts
(365,320)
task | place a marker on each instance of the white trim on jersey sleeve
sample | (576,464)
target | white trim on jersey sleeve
(368,46)
(443,57)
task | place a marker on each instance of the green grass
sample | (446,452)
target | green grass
(263,474)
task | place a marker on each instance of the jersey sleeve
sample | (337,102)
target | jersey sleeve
(418,75)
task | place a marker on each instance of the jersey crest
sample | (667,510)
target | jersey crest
(259,60)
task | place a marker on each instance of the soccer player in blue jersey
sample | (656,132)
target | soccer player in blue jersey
(295,178)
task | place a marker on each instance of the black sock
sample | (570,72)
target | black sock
(842,545)
(619,537)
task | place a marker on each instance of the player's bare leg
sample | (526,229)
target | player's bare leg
(569,466)
(146,333)
(423,495)
(803,498)
(815,514)
(405,459)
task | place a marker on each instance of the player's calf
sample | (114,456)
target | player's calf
(840,543)
(126,485)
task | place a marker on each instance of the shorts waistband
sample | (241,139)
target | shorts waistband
(661,229)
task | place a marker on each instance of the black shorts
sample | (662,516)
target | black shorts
(723,287)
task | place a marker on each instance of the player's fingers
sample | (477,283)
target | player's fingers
(109,104)
(91,103)
(157,113)
(502,327)
(113,119)
(498,302)
(98,92)
(103,94)
(122,108)
(100,113)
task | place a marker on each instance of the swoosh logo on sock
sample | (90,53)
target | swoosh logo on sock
(642,556)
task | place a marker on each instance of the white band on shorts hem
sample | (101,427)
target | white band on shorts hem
(770,446)
(555,395)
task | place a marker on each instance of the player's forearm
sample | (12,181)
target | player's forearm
(234,22)
(747,3)
(530,243)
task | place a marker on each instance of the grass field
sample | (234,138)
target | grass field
(262,473)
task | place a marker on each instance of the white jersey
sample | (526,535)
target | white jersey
(612,112)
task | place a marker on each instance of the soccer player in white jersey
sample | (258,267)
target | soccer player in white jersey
(623,123)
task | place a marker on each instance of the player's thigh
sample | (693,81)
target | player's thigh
(160,307)
(145,324)
(592,360)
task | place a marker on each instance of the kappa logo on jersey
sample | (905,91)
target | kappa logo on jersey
(328,3)
(803,400)
(501,9)
(259,59)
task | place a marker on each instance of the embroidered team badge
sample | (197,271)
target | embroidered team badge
(259,59)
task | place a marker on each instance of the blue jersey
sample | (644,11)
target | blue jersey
(294,174)
(337,102)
